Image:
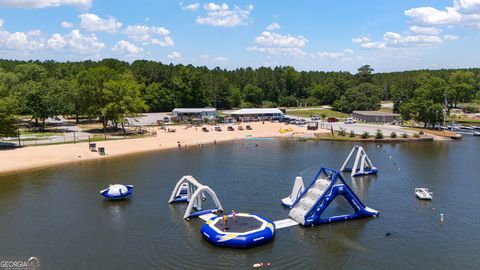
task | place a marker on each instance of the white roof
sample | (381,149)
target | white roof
(258,111)
(194,110)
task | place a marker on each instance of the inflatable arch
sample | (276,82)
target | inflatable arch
(362,164)
(188,189)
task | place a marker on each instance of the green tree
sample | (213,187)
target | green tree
(159,98)
(90,89)
(123,100)
(7,118)
(461,87)
(364,74)
(252,94)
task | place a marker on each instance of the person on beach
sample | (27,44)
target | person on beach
(234,214)
(225,219)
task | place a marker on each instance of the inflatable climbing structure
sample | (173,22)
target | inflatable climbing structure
(362,164)
(308,208)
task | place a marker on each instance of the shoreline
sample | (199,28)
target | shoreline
(40,157)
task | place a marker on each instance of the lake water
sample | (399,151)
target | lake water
(58,215)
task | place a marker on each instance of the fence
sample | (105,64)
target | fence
(73,137)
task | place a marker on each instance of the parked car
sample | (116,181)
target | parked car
(349,121)
(248,127)
(205,129)
(166,119)
(293,121)
(240,127)
(301,122)
(230,128)
(332,120)
(218,128)
(315,118)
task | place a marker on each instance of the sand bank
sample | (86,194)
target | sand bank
(51,155)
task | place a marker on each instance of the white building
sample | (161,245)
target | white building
(191,113)
(256,114)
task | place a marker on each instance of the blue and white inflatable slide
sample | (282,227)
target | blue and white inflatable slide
(308,207)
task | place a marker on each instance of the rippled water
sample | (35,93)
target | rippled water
(58,215)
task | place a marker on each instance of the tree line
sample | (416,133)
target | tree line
(112,90)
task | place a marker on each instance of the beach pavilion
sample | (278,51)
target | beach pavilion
(257,114)
(194,113)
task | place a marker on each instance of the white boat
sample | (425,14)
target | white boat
(476,133)
(423,193)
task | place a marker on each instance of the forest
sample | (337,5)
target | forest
(111,90)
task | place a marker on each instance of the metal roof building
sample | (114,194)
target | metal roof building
(259,113)
(375,116)
(194,112)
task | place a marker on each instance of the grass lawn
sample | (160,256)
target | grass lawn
(40,134)
(319,112)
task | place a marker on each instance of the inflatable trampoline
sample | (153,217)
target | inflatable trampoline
(117,191)
(248,230)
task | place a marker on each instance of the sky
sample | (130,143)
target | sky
(308,35)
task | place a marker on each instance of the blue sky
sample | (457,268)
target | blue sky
(309,35)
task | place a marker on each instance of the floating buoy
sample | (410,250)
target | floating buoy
(268,264)
(433,209)
(257,265)
(441,217)
(388,234)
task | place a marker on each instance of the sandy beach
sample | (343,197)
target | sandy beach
(50,155)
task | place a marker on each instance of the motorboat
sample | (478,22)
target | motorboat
(423,194)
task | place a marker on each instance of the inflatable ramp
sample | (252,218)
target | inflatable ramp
(327,184)
(362,164)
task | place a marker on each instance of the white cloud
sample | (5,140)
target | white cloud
(34,33)
(75,42)
(18,41)
(361,40)
(464,13)
(450,37)
(45,3)
(66,24)
(56,42)
(220,59)
(92,23)
(273,26)
(149,35)
(333,55)
(425,30)
(273,43)
(190,7)
(126,47)
(222,15)
(174,56)
(373,45)
(206,59)
(392,39)
(269,39)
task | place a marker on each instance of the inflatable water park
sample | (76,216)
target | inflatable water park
(307,204)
